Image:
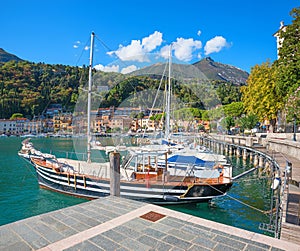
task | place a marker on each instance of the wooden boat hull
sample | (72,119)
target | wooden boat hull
(91,187)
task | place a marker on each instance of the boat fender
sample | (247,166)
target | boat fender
(170,198)
(275,183)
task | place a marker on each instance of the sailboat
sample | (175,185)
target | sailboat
(160,174)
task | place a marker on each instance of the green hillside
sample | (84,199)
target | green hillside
(28,88)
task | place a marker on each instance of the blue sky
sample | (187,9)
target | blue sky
(238,33)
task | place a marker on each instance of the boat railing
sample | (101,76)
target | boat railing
(126,161)
(77,156)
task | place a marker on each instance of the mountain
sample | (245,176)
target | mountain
(218,71)
(5,56)
(205,69)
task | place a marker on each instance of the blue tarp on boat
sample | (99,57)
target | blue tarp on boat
(166,142)
(182,159)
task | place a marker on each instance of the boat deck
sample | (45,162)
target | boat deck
(175,177)
(114,223)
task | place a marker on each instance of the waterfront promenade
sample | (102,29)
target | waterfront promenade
(282,149)
(114,223)
(290,230)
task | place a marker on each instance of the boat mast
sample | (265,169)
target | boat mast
(89,138)
(168,106)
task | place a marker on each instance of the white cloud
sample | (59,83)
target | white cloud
(151,42)
(115,68)
(129,69)
(130,52)
(111,68)
(137,49)
(199,32)
(86,48)
(76,44)
(184,48)
(216,44)
(165,51)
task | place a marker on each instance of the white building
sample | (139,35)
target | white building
(12,126)
(279,40)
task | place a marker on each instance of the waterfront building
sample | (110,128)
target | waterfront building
(7,127)
(34,126)
(13,126)
(63,123)
(122,123)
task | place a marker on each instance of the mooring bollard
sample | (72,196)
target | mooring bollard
(255,161)
(238,152)
(244,154)
(261,161)
(251,155)
(230,150)
(114,160)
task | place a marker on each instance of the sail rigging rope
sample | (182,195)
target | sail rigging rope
(82,51)
(157,92)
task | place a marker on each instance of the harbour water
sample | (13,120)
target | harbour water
(245,206)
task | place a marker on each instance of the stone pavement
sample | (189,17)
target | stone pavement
(114,223)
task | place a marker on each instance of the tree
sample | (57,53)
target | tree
(247,122)
(235,109)
(140,115)
(228,122)
(260,96)
(227,92)
(288,63)
(292,107)
(16,115)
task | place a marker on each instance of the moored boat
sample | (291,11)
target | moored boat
(144,176)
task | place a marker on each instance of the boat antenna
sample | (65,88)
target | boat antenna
(89,138)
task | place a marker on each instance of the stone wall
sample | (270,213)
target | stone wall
(287,147)
(279,142)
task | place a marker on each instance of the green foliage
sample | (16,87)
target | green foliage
(288,64)
(248,122)
(235,109)
(292,106)
(188,113)
(215,114)
(28,88)
(140,115)
(227,122)
(16,115)
(227,92)
(260,96)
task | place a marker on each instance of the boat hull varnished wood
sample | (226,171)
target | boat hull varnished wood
(90,187)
